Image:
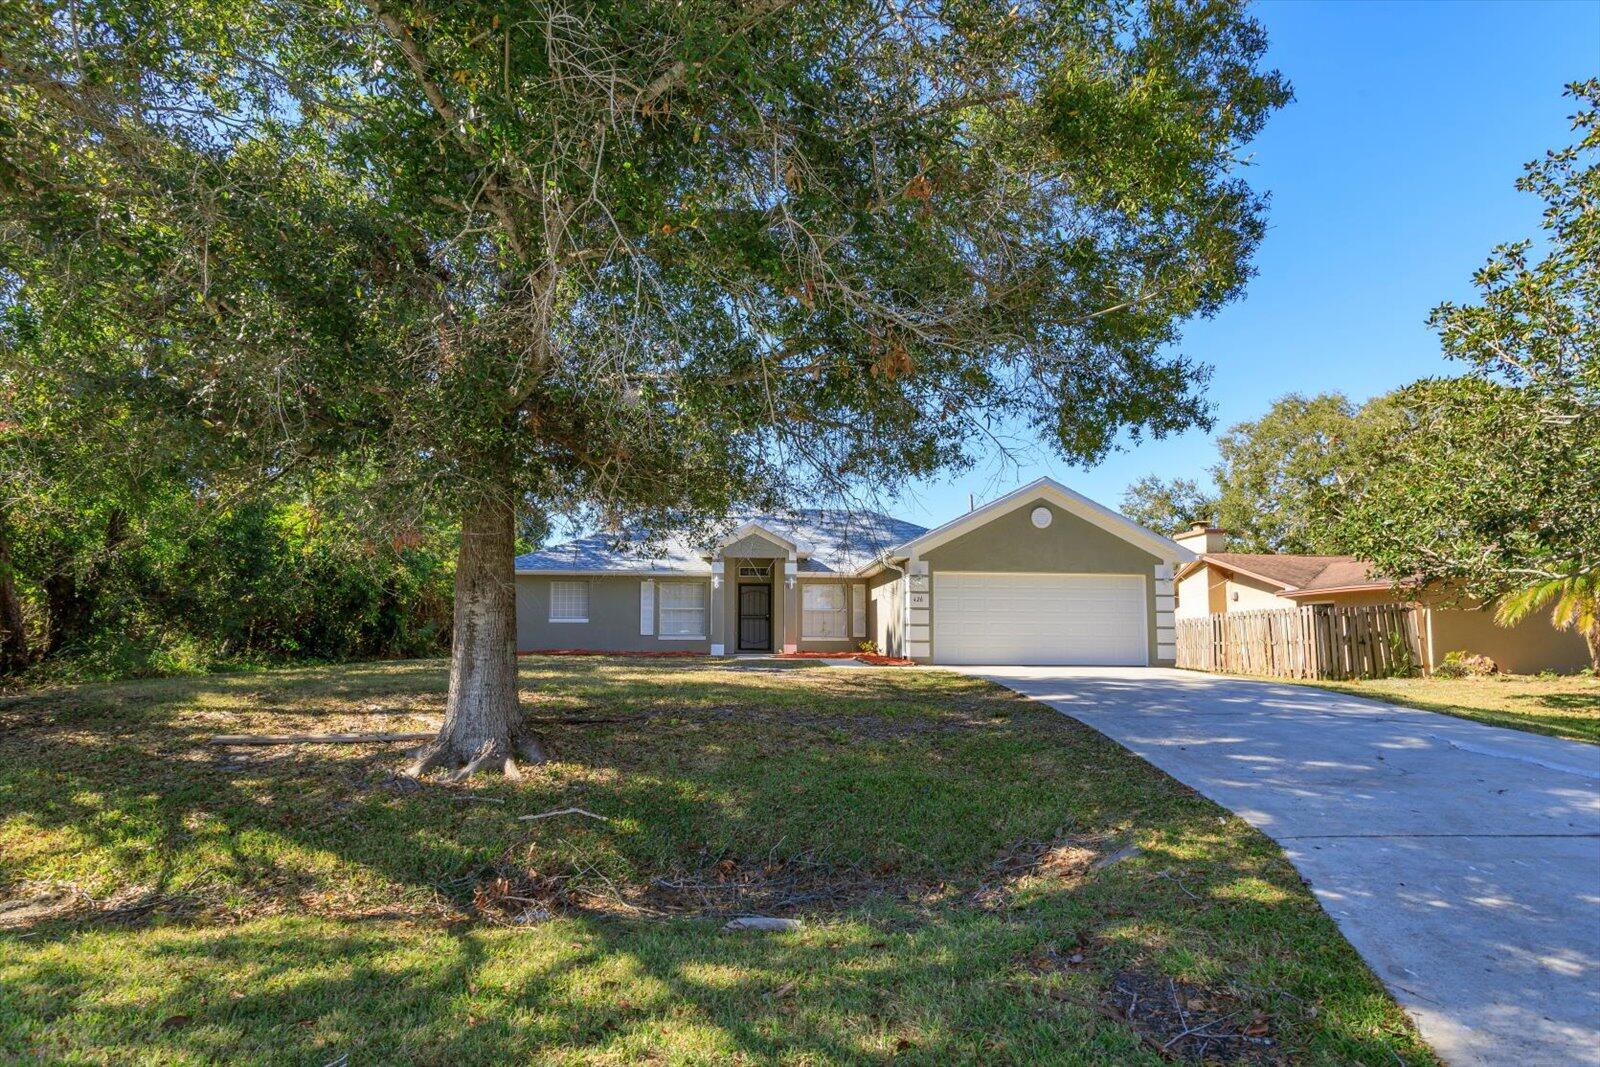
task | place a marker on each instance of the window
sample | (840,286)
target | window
(569,601)
(825,615)
(683,609)
(755,570)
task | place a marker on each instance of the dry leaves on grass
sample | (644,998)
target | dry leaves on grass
(1190,1022)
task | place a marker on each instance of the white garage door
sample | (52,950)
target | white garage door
(1039,618)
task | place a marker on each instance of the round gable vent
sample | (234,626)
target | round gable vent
(1042,517)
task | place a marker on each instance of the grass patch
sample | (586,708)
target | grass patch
(1557,705)
(944,841)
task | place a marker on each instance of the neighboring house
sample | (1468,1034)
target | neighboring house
(1216,582)
(1042,575)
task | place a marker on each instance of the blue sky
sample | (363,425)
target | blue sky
(1391,178)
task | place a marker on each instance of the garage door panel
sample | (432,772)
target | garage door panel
(1039,618)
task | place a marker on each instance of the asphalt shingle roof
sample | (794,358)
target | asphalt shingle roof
(1300,573)
(839,541)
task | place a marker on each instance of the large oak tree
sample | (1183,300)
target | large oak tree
(637,260)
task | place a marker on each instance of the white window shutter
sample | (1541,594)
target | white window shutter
(858,610)
(647,607)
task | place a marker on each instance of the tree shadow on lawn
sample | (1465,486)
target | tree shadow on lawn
(294,847)
(1565,701)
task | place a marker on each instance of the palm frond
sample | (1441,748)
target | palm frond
(1574,602)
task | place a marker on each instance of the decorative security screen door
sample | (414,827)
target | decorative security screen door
(755,618)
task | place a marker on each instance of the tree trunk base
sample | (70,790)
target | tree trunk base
(463,761)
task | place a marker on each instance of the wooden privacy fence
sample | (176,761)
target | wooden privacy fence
(1376,641)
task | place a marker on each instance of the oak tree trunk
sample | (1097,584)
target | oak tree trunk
(483,720)
(13,638)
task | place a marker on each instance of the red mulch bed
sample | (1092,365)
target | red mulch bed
(873,658)
(596,652)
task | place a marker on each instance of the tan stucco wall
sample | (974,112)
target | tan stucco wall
(613,624)
(1242,593)
(1527,648)
(1069,545)
(1201,592)
(885,612)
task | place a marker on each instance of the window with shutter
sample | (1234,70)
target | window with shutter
(824,613)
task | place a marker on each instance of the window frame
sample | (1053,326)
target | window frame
(664,591)
(580,583)
(841,614)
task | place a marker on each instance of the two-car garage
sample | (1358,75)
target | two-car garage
(1041,576)
(999,618)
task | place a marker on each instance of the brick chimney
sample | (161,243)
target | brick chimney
(1202,538)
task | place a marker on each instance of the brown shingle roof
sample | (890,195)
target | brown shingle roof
(1300,574)
(1342,573)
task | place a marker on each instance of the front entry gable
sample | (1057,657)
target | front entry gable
(1009,531)
(754,541)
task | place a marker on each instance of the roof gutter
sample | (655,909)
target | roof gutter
(1369,587)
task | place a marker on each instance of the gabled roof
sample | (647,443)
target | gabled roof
(838,541)
(1298,575)
(842,541)
(745,529)
(1073,502)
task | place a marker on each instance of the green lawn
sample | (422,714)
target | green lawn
(167,902)
(1559,705)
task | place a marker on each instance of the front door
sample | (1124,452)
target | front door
(755,618)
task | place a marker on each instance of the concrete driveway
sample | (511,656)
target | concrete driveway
(1462,861)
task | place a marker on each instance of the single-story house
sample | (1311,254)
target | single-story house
(1042,575)
(1217,582)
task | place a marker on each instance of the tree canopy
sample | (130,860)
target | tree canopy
(1280,480)
(647,260)
(1490,483)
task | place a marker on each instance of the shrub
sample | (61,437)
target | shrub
(1465,665)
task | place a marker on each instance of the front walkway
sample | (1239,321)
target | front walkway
(1461,860)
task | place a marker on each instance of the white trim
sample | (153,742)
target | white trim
(647,608)
(1144,614)
(550,603)
(681,637)
(1112,522)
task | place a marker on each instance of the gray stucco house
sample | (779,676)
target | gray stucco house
(1041,575)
